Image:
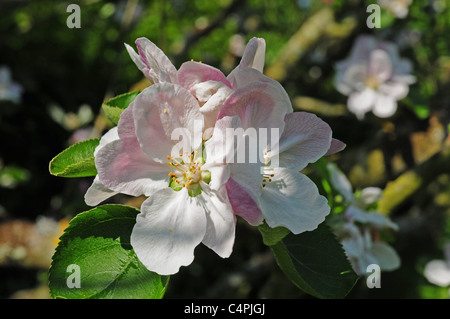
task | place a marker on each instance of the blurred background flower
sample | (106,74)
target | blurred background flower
(66,74)
(374,77)
(9,90)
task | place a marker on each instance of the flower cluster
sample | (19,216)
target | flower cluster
(373,77)
(360,231)
(175,144)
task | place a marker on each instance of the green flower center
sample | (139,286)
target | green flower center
(187,173)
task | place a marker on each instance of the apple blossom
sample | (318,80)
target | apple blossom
(138,158)
(206,83)
(359,231)
(374,77)
(278,194)
(193,190)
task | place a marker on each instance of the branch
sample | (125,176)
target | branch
(195,37)
(312,30)
(409,183)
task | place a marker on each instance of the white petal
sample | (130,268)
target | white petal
(438,272)
(340,182)
(221,223)
(292,200)
(305,139)
(171,224)
(373,218)
(218,151)
(370,195)
(361,102)
(387,258)
(385,106)
(396,90)
(97,193)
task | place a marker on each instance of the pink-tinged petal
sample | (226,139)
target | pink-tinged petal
(362,47)
(351,78)
(211,96)
(167,116)
(108,137)
(136,58)
(361,102)
(155,65)
(305,139)
(243,204)
(385,106)
(335,147)
(253,58)
(192,73)
(124,168)
(254,54)
(293,201)
(97,193)
(244,78)
(125,127)
(171,224)
(259,105)
(380,65)
(220,221)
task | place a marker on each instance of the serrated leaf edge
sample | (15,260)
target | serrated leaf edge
(61,174)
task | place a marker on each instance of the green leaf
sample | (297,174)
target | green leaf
(114,107)
(75,161)
(316,263)
(98,243)
(271,236)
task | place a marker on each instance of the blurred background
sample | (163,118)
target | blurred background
(53,80)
